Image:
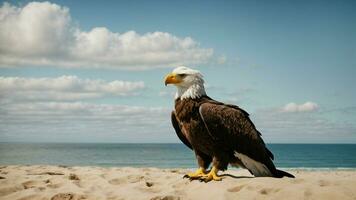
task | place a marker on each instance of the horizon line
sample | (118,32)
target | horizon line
(48,142)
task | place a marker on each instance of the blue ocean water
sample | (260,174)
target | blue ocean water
(166,155)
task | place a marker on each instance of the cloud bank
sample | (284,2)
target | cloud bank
(83,122)
(43,34)
(69,109)
(304,127)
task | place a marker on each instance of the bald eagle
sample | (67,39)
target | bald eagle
(218,133)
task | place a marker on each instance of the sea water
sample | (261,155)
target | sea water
(307,156)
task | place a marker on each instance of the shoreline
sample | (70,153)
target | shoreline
(230,168)
(28,182)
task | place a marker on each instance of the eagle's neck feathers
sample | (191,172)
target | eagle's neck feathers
(193,92)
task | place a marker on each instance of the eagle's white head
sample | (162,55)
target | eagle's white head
(189,82)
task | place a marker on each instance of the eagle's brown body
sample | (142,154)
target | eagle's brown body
(218,133)
(222,134)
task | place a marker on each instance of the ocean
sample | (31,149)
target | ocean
(306,156)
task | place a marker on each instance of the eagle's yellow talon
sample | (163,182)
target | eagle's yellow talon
(210,178)
(197,174)
(212,175)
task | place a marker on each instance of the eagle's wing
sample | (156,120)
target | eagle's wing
(178,130)
(232,126)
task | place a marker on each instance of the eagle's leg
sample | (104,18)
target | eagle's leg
(203,162)
(197,174)
(212,175)
(219,163)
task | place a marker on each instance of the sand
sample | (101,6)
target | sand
(64,183)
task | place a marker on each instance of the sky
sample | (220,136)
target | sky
(92,71)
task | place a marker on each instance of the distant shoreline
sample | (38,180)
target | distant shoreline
(156,143)
(230,168)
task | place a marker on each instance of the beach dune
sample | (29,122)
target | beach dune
(61,183)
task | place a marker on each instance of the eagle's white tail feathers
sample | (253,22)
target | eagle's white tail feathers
(255,167)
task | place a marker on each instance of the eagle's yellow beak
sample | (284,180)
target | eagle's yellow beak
(172,79)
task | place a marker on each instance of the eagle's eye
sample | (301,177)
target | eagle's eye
(182,75)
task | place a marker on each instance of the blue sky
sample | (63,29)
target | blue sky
(74,71)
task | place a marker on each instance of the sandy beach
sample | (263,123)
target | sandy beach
(60,182)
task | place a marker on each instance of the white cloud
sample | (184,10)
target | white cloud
(42,33)
(306,107)
(64,88)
